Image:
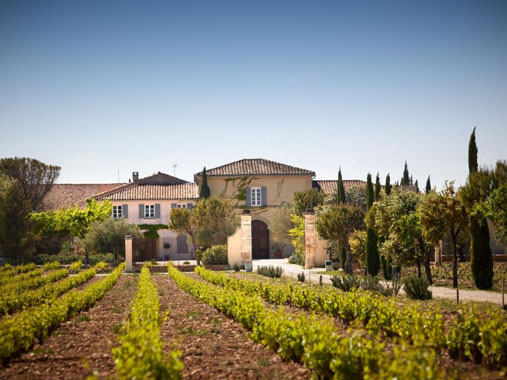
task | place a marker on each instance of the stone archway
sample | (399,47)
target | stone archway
(260,240)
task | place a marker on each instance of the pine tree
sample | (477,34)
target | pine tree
(372,256)
(204,191)
(341,198)
(377,188)
(405,180)
(388,185)
(428,185)
(416,186)
(480,250)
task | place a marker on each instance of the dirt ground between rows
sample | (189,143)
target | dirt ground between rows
(212,345)
(82,345)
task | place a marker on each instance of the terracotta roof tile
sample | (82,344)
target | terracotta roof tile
(328,186)
(67,194)
(256,166)
(135,191)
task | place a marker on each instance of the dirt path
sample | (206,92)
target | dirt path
(213,346)
(82,345)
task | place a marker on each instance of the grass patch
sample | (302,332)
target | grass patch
(193,314)
(116,309)
(83,318)
(116,328)
(42,351)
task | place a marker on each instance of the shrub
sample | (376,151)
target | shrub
(301,277)
(297,258)
(186,262)
(417,288)
(270,271)
(236,267)
(346,283)
(52,265)
(75,266)
(215,255)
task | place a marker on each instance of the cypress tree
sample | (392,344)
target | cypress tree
(204,191)
(480,250)
(416,186)
(372,256)
(388,185)
(405,180)
(428,185)
(341,198)
(473,165)
(377,188)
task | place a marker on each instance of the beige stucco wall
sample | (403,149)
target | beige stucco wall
(234,247)
(321,254)
(165,235)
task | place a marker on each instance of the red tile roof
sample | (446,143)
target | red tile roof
(70,194)
(135,191)
(256,166)
(328,186)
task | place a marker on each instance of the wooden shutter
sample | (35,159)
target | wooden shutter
(157,210)
(248,197)
(141,211)
(174,205)
(125,210)
(264,200)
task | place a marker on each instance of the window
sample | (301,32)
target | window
(117,212)
(182,206)
(255,194)
(149,211)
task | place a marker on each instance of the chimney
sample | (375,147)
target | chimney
(135,176)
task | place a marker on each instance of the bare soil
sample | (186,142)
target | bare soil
(82,345)
(212,345)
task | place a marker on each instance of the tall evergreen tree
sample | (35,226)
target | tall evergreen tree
(204,191)
(341,198)
(372,255)
(388,186)
(377,188)
(480,250)
(405,180)
(473,165)
(416,186)
(428,185)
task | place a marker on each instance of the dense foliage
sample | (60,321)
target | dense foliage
(215,255)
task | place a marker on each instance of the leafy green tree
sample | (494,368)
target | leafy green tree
(281,224)
(442,213)
(388,187)
(297,234)
(35,178)
(338,223)
(180,220)
(428,185)
(304,200)
(108,236)
(204,190)
(494,208)
(405,180)
(357,242)
(474,194)
(372,255)
(213,219)
(16,241)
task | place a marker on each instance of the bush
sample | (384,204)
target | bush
(301,277)
(52,265)
(346,283)
(297,258)
(417,288)
(270,271)
(236,267)
(216,255)
(75,266)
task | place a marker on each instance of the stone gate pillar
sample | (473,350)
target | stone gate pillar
(246,239)
(310,239)
(128,253)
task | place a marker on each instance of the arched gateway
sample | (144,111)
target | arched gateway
(260,240)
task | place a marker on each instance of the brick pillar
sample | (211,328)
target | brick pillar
(246,240)
(310,239)
(128,253)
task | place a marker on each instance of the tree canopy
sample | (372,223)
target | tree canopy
(304,200)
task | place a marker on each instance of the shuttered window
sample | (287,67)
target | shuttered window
(117,211)
(256,199)
(149,211)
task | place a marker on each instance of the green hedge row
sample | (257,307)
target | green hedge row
(19,332)
(140,354)
(314,339)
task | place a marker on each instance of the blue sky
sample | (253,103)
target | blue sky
(102,86)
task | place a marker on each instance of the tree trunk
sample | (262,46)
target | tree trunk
(349,261)
(427,267)
(454,263)
(418,268)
